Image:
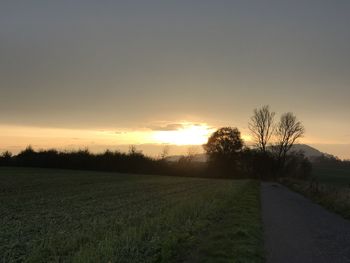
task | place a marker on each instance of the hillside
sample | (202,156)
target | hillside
(308,151)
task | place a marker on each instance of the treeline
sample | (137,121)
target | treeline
(228,157)
(248,163)
(270,158)
(132,162)
(330,161)
(268,166)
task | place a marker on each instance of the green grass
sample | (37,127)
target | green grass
(76,216)
(236,236)
(334,176)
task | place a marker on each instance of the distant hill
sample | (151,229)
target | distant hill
(309,152)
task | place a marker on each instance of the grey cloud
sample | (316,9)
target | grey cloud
(167,127)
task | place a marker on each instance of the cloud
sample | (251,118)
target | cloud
(167,127)
(174,126)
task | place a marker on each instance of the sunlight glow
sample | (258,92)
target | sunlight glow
(190,134)
(247,138)
(180,134)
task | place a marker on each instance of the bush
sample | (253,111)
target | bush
(297,166)
(259,164)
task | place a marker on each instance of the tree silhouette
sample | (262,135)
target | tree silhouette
(261,126)
(223,149)
(288,131)
(165,152)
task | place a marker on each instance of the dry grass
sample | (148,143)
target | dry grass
(332,196)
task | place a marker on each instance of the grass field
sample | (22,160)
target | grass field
(332,175)
(76,216)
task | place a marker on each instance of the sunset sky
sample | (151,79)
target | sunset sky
(108,74)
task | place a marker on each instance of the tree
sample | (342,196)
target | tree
(288,131)
(192,151)
(261,126)
(165,152)
(224,145)
(134,152)
(5,158)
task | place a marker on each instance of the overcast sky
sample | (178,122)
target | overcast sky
(95,65)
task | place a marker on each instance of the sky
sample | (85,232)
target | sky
(108,74)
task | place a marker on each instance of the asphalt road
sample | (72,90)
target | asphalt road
(297,230)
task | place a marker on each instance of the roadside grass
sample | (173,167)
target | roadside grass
(77,216)
(329,195)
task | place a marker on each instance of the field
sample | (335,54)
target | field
(78,216)
(336,176)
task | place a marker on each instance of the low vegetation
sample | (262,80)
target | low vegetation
(332,171)
(80,216)
(132,162)
(329,186)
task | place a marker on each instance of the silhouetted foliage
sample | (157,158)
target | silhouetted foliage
(297,166)
(132,162)
(265,166)
(5,158)
(330,161)
(258,164)
(224,149)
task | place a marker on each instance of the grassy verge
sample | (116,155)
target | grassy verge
(72,216)
(332,197)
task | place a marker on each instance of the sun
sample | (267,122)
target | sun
(190,134)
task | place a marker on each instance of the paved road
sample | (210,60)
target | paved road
(297,230)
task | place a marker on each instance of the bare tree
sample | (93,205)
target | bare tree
(192,151)
(133,150)
(165,152)
(261,126)
(288,131)
(190,156)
